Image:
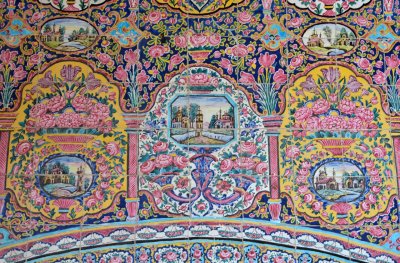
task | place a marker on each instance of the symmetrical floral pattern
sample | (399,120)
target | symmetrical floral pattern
(199,131)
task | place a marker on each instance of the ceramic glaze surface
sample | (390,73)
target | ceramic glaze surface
(199,131)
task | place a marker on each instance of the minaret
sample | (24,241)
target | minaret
(220,113)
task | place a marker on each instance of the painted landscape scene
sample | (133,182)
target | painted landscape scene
(65,176)
(329,39)
(68,34)
(339,181)
(205,120)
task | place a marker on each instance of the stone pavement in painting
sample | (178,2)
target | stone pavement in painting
(199,131)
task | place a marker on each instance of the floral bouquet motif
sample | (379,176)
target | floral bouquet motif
(335,117)
(72,106)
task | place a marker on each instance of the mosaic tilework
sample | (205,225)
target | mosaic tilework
(199,131)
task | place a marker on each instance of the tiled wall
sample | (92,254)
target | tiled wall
(199,131)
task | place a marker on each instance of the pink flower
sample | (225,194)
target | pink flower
(363,63)
(214,39)
(346,106)
(244,163)
(247,147)
(38,110)
(154,17)
(175,60)
(331,74)
(198,40)
(306,165)
(292,152)
(56,103)
(365,206)
(266,60)
(296,22)
(302,189)
(35,59)
(121,74)
(309,84)
(372,130)
(46,81)
(320,106)
(112,148)
(392,62)
(223,186)
(296,61)
(68,72)
(379,77)
(142,77)
(199,79)
(244,17)
(19,73)
(376,189)
(308,198)
(163,160)
(160,146)
(377,231)
(302,113)
(341,208)
(365,114)
(23,147)
(131,57)
(80,103)
(157,51)
(226,64)
(91,202)
(147,167)
(353,85)
(316,206)
(371,198)
(99,195)
(226,165)
(180,161)
(246,78)
(355,124)
(369,163)
(180,41)
(261,168)
(47,121)
(105,59)
(333,123)
(313,124)
(7,56)
(171,256)
(361,21)
(69,120)
(239,50)
(280,77)
(100,110)
(379,152)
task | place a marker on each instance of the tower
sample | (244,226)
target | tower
(199,122)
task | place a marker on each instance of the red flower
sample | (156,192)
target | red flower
(267,60)
(157,51)
(341,208)
(23,147)
(280,77)
(392,62)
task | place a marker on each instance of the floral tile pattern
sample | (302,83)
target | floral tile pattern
(199,131)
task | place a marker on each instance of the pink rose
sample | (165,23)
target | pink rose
(199,79)
(308,198)
(91,202)
(369,164)
(313,124)
(346,106)
(38,110)
(171,256)
(333,123)
(175,60)
(296,61)
(362,21)
(154,17)
(56,103)
(304,172)
(365,206)
(225,254)
(371,198)
(112,148)
(163,160)
(131,57)
(23,147)
(35,59)
(302,189)
(214,39)
(19,73)
(292,152)
(246,78)
(376,189)
(69,120)
(105,59)
(363,63)
(160,146)
(157,51)
(239,50)
(244,17)
(180,161)
(100,110)
(280,77)
(198,40)
(302,113)
(261,168)
(247,147)
(121,73)
(296,22)
(320,106)
(379,151)
(355,124)
(379,77)
(392,62)
(147,167)
(316,206)
(99,195)
(226,165)
(306,165)
(372,130)
(180,41)
(377,231)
